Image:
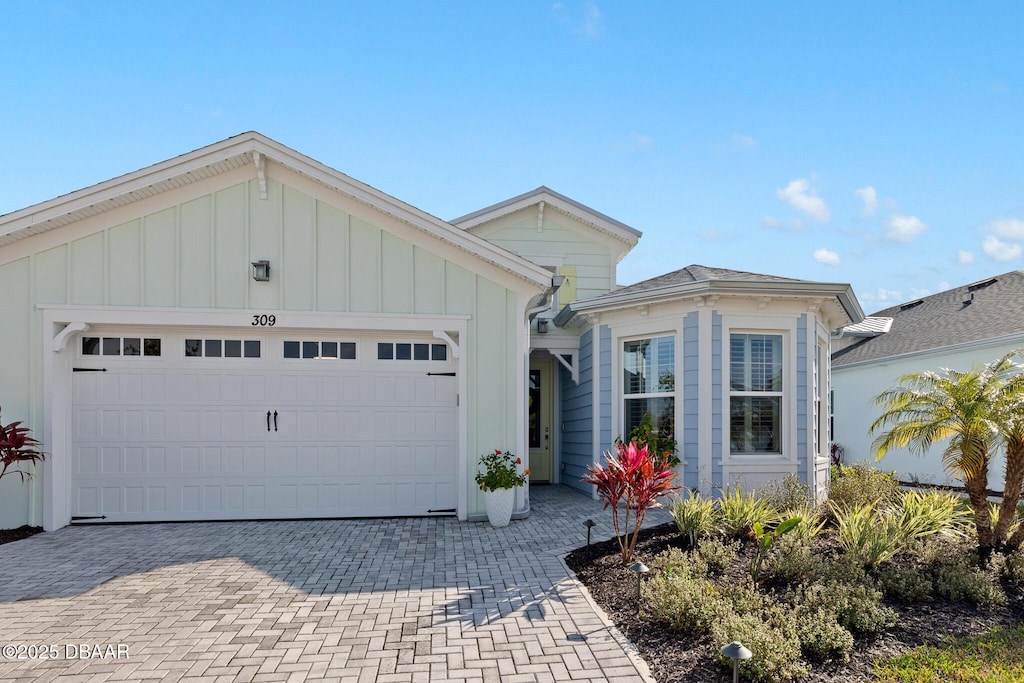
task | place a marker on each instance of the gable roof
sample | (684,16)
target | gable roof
(559,202)
(697,279)
(983,310)
(252,149)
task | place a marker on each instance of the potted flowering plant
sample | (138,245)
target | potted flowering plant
(498,480)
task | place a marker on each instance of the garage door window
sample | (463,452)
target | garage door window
(409,351)
(320,350)
(120,346)
(222,348)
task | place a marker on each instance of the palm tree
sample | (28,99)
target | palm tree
(976,410)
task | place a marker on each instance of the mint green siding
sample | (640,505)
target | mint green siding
(327,253)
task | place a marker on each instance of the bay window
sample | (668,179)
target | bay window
(649,384)
(755,393)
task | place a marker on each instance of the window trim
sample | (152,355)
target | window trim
(786,328)
(619,339)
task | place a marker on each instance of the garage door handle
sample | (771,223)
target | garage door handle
(268,420)
(275,420)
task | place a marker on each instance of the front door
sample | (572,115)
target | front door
(541,418)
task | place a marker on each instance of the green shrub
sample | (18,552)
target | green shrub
(811,523)
(859,485)
(869,537)
(958,579)
(772,638)
(821,636)
(1012,568)
(794,561)
(738,512)
(787,493)
(857,608)
(678,562)
(694,516)
(846,569)
(931,550)
(908,585)
(685,604)
(717,555)
(926,514)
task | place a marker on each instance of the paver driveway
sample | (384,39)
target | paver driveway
(384,600)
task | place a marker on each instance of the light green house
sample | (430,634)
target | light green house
(244,333)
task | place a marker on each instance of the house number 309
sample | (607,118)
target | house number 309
(264,320)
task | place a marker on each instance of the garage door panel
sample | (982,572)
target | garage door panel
(189,440)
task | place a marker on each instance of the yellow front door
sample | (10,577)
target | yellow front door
(541,415)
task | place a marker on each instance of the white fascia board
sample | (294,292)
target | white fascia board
(587,216)
(125,184)
(1012,339)
(841,292)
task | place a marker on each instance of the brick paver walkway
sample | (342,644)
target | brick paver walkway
(371,600)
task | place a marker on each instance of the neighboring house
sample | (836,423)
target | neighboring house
(957,329)
(243,333)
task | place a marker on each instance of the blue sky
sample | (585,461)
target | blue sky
(878,144)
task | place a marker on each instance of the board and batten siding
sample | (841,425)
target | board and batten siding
(578,451)
(558,238)
(327,253)
(803,445)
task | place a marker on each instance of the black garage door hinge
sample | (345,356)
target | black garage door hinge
(89,369)
(440,374)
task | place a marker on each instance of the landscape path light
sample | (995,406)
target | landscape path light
(640,569)
(735,651)
(590,524)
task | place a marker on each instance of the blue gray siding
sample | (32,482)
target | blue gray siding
(578,418)
(691,401)
(717,383)
(801,398)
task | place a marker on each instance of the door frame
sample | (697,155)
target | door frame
(555,412)
(63,325)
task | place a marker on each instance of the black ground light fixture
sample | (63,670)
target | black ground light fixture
(590,524)
(735,651)
(640,569)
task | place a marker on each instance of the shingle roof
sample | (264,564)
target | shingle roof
(696,273)
(945,319)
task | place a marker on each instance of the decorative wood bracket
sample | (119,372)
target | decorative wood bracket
(60,341)
(540,217)
(261,173)
(443,336)
(572,365)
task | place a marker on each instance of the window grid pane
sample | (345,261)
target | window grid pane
(755,362)
(754,424)
(648,366)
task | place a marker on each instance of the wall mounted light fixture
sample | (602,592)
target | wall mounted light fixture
(261,271)
(542,326)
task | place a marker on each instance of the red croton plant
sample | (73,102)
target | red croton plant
(16,448)
(634,477)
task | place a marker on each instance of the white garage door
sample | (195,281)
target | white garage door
(202,426)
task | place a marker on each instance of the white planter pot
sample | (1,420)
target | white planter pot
(499,506)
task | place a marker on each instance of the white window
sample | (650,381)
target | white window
(649,384)
(755,393)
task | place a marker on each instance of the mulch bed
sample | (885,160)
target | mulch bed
(8,535)
(673,656)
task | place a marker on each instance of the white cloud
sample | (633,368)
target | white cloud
(827,257)
(998,250)
(743,140)
(869,197)
(800,196)
(964,257)
(904,228)
(881,298)
(772,223)
(1007,228)
(711,235)
(590,25)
